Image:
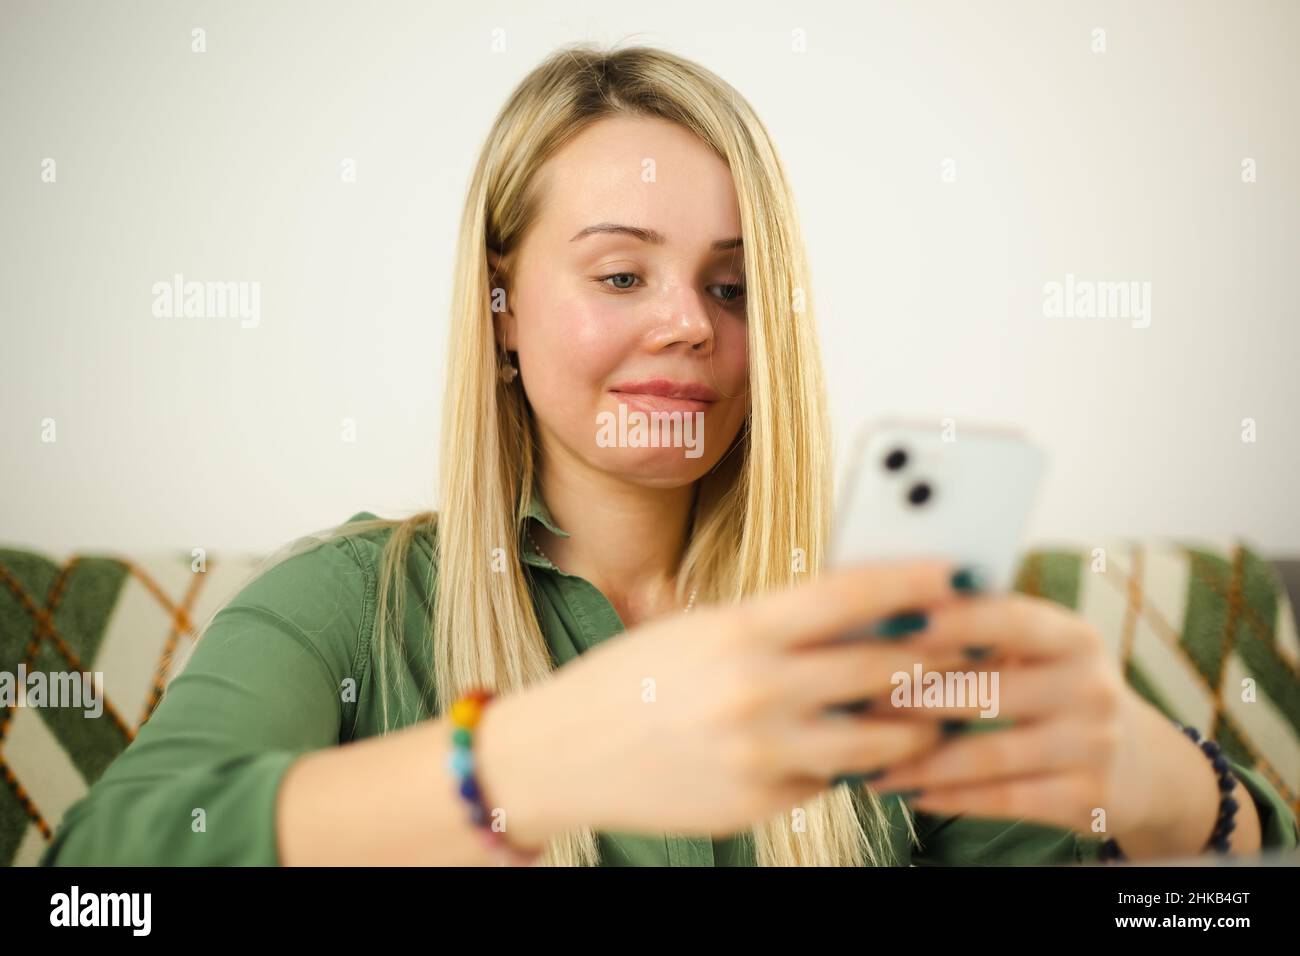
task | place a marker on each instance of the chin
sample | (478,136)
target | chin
(653,467)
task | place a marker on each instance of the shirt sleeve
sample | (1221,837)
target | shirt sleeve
(263,685)
(972,841)
(968,841)
(1277,821)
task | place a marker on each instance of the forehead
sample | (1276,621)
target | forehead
(639,171)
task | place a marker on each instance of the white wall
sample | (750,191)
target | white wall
(225,165)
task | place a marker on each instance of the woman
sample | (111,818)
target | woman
(629,239)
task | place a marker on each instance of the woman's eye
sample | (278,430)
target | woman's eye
(626,281)
(619,275)
(732,293)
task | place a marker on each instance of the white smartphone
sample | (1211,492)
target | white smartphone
(922,490)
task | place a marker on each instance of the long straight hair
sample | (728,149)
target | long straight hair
(760,517)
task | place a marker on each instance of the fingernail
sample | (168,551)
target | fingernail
(951,728)
(977,653)
(854,779)
(851,707)
(968,580)
(900,625)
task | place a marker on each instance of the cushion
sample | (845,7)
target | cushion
(132,620)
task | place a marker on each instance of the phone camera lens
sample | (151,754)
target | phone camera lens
(919,493)
(896,459)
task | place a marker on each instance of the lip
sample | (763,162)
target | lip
(666,395)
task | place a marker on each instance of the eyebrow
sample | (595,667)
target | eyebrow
(646,235)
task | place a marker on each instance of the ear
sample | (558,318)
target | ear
(503,317)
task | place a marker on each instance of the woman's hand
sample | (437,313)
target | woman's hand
(710,721)
(1082,739)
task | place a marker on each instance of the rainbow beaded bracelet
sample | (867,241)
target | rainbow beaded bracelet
(465,714)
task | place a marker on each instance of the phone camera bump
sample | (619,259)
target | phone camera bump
(896,460)
(919,493)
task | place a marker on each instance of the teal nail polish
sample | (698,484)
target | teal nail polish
(952,728)
(851,707)
(967,580)
(900,625)
(977,653)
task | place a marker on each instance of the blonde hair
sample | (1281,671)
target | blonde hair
(771,493)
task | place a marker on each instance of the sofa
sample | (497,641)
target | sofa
(1208,634)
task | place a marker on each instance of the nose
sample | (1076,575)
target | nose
(683,321)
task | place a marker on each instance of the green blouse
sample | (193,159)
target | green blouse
(269,681)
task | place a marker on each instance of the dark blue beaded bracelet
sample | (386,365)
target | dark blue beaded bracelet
(1220,840)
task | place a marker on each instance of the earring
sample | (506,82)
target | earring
(507,371)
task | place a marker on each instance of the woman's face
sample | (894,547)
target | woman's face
(602,316)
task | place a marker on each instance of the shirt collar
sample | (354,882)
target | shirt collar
(537,510)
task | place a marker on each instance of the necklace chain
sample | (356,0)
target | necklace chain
(538,548)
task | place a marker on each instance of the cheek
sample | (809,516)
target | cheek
(572,336)
(591,338)
(568,350)
(731,377)
(731,354)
